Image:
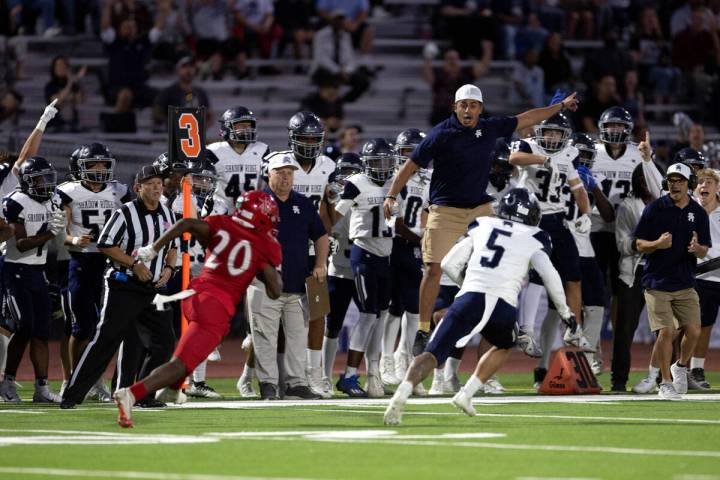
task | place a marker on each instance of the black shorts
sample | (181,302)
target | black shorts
(709,293)
(593,284)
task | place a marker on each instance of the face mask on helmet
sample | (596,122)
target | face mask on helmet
(97,169)
(40,185)
(380,167)
(306,147)
(551,138)
(500,173)
(615,132)
(203,183)
(403,153)
(586,156)
(241,131)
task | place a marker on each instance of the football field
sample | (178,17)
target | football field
(516,436)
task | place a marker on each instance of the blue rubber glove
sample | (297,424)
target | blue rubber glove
(587,178)
(558,97)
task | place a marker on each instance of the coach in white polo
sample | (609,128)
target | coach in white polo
(299,223)
(459,149)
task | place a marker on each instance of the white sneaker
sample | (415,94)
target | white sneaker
(493,386)
(528,345)
(245,387)
(168,395)
(667,392)
(438,384)
(45,395)
(646,385)
(679,376)
(8,391)
(577,339)
(452,384)
(124,399)
(463,401)
(419,390)
(402,363)
(99,392)
(215,356)
(394,411)
(387,370)
(315,382)
(328,388)
(374,387)
(202,390)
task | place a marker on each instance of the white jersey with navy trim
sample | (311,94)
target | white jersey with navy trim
(196,251)
(546,185)
(714,251)
(236,173)
(417,200)
(615,179)
(363,200)
(498,194)
(340,250)
(90,210)
(34,216)
(313,182)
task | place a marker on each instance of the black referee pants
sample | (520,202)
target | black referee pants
(127,310)
(630,304)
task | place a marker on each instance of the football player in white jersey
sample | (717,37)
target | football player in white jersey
(34,222)
(340,276)
(405,264)
(306,135)
(372,237)
(240,157)
(490,264)
(88,203)
(707,284)
(546,167)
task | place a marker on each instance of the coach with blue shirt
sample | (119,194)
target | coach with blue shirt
(299,224)
(458,149)
(673,232)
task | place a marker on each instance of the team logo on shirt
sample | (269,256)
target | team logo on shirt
(478,133)
(296,210)
(691,217)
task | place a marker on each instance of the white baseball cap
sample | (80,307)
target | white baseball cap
(679,169)
(280,161)
(468,92)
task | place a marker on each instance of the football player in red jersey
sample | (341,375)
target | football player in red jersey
(239,247)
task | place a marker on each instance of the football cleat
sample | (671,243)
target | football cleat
(493,386)
(387,370)
(245,387)
(680,378)
(528,345)
(44,395)
(350,386)
(394,411)
(124,399)
(575,337)
(202,390)
(269,391)
(300,392)
(463,401)
(99,392)
(8,391)
(374,386)
(315,382)
(327,387)
(419,390)
(696,380)
(666,391)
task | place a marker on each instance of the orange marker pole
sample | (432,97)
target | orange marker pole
(187,213)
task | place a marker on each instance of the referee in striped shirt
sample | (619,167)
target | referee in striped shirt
(130,286)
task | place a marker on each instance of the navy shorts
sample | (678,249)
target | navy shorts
(85,290)
(28,298)
(406,267)
(372,280)
(446,297)
(593,284)
(341,291)
(464,314)
(709,293)
(565,257)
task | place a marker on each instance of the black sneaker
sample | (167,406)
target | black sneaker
(300,392)
(618,387)
(268,391)
(150,402)
(539,375)
(67,404)
(421,341)
(696,380)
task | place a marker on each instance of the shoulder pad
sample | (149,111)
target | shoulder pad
(544,239)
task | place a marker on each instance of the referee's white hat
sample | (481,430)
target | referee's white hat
(468,92)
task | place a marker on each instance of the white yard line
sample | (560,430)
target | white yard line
(66,472)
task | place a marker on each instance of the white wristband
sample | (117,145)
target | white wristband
(76,240)
(41,125)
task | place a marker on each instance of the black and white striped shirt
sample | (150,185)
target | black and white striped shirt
(133,226)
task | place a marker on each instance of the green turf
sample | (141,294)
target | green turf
(635,428)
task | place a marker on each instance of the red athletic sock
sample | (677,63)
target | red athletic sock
(139,391)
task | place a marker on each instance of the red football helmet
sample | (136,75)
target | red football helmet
(258,209)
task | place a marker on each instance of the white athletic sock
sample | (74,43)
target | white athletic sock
(473,385)
(653,372)
(329,351)
(198,374)
(439,374)
(592,325)
(373,366)
(391,324)
(403,391)
(529,303)
(411,327)
(696,362)
(374,347)
(360,335)
(314,358)
(350,371)
(548,332)
(451,367)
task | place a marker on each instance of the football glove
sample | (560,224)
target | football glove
(47,115)
(587,178)
(146,254)
(583,224)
